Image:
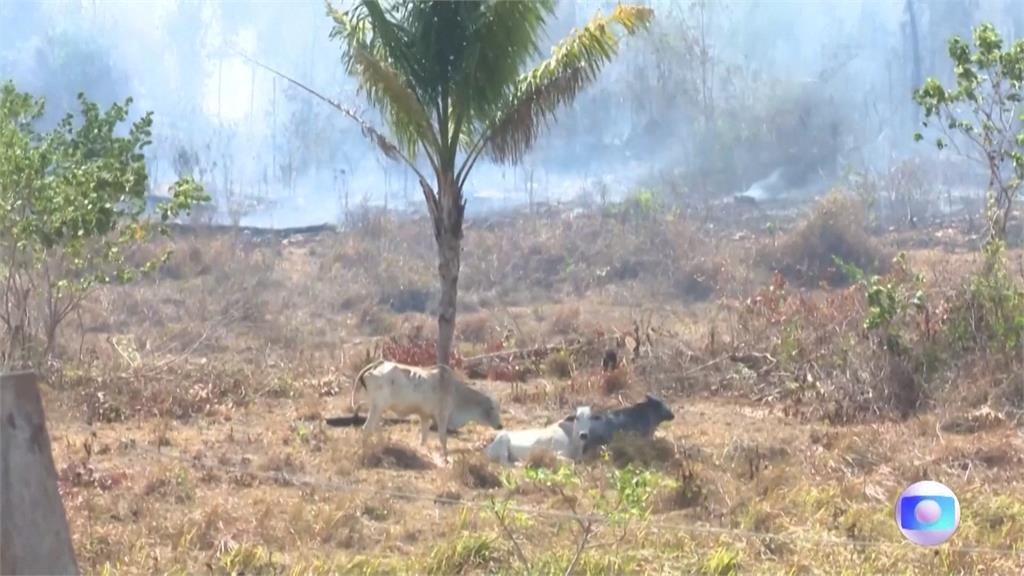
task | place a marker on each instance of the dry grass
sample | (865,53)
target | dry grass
(475,472)
(627,449)
(542,459)
(615,381)
(392,456)
(186,450)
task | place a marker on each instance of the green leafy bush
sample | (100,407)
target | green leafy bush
(982,113)
(72,205)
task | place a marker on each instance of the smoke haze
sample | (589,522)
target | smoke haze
(766,97)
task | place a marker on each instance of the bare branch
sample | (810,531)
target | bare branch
(516,548)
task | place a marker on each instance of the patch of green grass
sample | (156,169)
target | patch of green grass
(821,505)
(592,562)
(723,561)
(248,559)
(869,522)
(989,520)
(466,553)
(757,516)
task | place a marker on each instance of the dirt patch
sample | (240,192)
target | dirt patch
(391,456)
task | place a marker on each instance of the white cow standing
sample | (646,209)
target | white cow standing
(410,390)
(564,439)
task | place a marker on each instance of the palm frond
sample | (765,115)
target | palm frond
(406,115)
(390,151)
(503,40)
(371,62)
(574,63)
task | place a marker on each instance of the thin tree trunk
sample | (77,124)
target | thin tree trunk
(447,215)
(448,248)
(915,56)
(448,234)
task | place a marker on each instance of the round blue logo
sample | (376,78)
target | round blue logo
(927,513)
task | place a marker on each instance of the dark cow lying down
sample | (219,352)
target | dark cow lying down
(641,419)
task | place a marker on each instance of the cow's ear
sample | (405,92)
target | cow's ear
(570,418)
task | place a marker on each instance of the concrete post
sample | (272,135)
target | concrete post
(34,535)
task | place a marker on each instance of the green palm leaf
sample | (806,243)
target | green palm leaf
(384,86)
(573,64)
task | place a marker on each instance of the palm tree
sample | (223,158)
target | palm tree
(447,77)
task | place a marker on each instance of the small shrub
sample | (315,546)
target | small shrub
(474,472)
(615,381)
(724,561)
(699,280)
(284,462)
(542,459)
(687,491)
(989,313)
(376,321)
(189,261)
(566,321)
(558,365)
(416,350)
(247,559)
(835,229)
(470,552)
(281,387)
(173,484)
(630,449)
(635,488)
(476,328)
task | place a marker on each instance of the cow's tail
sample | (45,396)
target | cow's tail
(359,382)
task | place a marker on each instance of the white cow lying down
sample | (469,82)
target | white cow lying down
(563,438)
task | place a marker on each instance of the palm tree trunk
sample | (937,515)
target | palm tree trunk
(449,246)
(447,214)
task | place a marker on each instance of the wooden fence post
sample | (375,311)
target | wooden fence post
(34,535)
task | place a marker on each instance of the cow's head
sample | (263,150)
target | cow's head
(581,422)
(492,413)
(661,410)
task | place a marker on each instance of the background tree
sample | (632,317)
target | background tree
(72,202)
(64,63)
(447,77)
(981,116)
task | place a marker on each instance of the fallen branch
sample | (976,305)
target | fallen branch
(703,367)
(113,344)
(757,361)
(161,365)
(535,352)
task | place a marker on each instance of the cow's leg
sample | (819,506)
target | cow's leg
(498,450)
(424,428)
(442,432)
(372,418)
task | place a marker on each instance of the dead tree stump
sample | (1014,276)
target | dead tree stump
(34,535)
